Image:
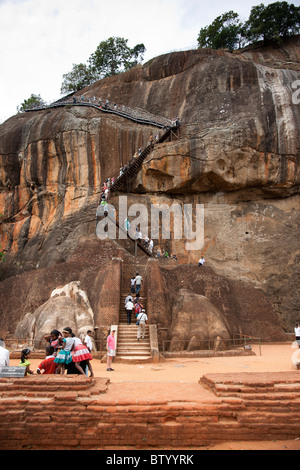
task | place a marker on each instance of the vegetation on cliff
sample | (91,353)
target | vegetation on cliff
(110,58)
(267,23)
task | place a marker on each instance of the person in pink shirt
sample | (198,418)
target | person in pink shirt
(111,349)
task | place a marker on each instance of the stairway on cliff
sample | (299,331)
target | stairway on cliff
(128,348)
(133,166)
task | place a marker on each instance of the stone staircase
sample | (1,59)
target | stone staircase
(128,348)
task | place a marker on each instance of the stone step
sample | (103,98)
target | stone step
(134,350)
(128,347)
(130,334)
(132,337)
(134,357)
(130,340)
(124,323)
(141,344)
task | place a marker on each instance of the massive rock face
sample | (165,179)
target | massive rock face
(237,154)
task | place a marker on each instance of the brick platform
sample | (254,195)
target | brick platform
(70,412)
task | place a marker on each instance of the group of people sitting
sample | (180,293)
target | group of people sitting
(64,352)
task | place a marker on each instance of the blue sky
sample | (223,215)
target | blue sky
(40,40)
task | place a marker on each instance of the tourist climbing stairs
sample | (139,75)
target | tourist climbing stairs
(129,349)
(120,181)
(101,213)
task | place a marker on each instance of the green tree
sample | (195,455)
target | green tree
(223,33)
(80,76)
(33,101)
(114,56)
(272,22)
(111,57)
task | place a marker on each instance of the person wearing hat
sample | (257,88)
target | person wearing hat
(142,320)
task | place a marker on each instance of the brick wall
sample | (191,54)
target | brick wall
(70,412)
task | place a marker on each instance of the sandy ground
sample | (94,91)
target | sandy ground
(273,358)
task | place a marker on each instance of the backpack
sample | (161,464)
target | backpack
(138,309)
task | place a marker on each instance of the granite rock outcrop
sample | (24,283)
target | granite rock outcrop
(237,154)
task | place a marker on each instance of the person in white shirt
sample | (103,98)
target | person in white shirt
(132,285)
(297,334)
(201,261)
(129,297)
(142,319)
(4,355)
(129,307)
(87,340)
(138,283)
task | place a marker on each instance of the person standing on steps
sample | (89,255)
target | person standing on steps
(132,285)
(129,307)
(129,297)
(137,305)
(150,246)
(142,320)
(138,283)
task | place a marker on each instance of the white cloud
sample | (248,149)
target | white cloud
(41,39)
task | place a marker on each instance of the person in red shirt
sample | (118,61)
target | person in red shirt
(48,365)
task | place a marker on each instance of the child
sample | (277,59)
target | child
(81,353)
(54,340)
(64,356)
(111,349)
(48,365)
(25,354)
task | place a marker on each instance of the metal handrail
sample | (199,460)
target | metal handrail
(100,108)
(210,342)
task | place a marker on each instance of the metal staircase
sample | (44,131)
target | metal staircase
(134,164)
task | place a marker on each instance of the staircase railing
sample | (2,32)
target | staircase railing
(122,229)
(104,109)
(135,163)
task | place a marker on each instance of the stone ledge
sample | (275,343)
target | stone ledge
(148,415)
(211,353)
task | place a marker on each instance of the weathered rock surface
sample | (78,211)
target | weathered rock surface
(67,306)
(238,154)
